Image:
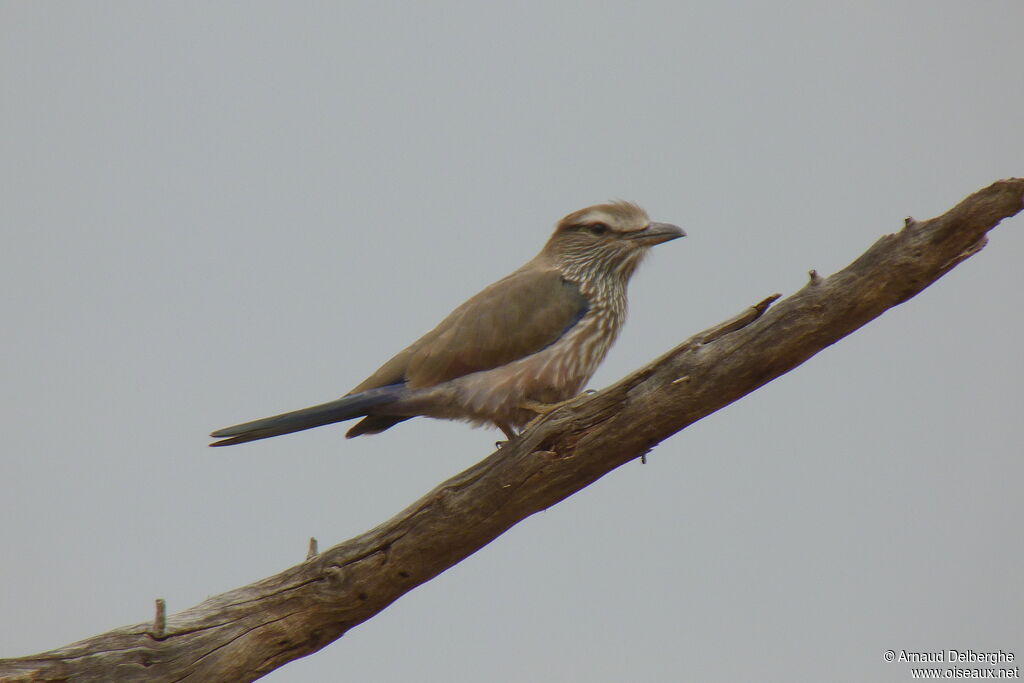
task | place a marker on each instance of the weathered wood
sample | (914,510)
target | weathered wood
(242,634)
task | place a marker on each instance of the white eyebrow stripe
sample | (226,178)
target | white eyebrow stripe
(615,222)
(597,216)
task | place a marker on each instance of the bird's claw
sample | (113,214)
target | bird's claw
(542,409)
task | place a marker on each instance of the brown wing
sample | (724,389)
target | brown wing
(515,317)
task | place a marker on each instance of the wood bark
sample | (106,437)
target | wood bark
(245,633)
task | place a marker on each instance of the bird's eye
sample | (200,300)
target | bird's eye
(597,228)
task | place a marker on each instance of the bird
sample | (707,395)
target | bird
(513,352)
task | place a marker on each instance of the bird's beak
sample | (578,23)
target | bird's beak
(656,233)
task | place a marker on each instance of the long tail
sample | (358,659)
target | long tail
(346,408)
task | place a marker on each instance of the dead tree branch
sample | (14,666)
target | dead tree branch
(245,633)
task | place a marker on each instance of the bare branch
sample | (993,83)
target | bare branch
(245,633)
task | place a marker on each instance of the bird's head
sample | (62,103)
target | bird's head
(606,239)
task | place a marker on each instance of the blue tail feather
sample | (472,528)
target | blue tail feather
(345,408)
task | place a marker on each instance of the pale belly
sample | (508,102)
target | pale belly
(554,374)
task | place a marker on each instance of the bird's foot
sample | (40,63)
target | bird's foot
(509,432)
(542,409)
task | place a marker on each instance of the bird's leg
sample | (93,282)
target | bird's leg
(509,432)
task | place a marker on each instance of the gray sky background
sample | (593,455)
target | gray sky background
(216,212)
